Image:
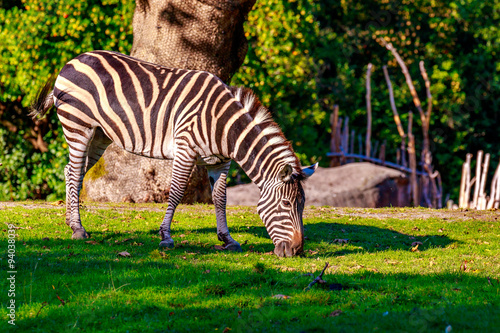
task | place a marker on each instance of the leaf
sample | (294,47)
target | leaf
(124,254)
(63,302)
(281,296)
(335,313)
(93,242)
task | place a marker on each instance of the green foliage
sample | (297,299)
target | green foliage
(304,56)
(38,38)
(279,67)
(381,282)
(307,55)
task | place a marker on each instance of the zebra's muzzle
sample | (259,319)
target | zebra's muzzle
(289,248)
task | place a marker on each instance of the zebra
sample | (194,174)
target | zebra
(188,116)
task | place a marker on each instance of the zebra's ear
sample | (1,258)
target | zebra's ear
(286,173)
(308,171)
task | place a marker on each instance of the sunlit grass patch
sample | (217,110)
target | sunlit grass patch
(401,272)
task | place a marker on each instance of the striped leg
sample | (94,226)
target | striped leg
(83,155)
(182,166)
(217,176)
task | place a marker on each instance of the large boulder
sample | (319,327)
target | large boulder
(351,185)
(125,177)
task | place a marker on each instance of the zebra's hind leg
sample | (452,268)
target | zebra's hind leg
(217,176)
(84,153)
(182,166)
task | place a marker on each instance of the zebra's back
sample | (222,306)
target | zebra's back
(139,105)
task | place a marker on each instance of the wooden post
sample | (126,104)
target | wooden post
(345,136)
(468,182)
(334,142)
(462,200)
(495,189)
(375,148)
(481,201)
(427,116)
(360,145)
(397,119)
(413,161)
(439,190)
(496,196)
(478,179)
(381,155)
(368,111)
(351,146)
(429,187)
(413,92)
(339,140)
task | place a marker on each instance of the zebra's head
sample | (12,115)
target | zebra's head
(280,207)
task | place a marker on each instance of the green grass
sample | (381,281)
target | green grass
(65,285)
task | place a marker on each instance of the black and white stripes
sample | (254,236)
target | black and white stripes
(184,115)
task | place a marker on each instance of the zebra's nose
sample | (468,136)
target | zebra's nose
(290,248)
(297,243)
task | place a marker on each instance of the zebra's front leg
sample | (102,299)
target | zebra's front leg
(181,170)
(217,175)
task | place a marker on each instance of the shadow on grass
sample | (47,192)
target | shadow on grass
(203,293)
(330,239)
(362,238)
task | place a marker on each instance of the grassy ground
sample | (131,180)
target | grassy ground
(377,280)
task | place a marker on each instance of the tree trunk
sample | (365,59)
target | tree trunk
(191,34)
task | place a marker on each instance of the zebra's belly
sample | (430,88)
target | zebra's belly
(164,152)
(211,160)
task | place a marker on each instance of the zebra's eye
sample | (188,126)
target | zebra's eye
(286,203)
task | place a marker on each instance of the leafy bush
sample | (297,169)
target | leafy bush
(304,56)
(38,38)
(307,55)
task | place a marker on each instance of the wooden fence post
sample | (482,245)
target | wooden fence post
(368,111)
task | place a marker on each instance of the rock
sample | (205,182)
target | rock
(351,185)
(124,177)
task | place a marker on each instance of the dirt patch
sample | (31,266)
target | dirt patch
(310,211)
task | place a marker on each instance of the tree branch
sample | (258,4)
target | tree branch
(318,279)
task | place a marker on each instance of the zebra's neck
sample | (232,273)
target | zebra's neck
(258,144)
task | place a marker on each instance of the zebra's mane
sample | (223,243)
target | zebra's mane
(263,118)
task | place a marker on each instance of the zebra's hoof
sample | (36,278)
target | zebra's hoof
(167,243)
(80,234)
(233,247)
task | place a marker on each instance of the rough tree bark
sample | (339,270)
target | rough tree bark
(192,34)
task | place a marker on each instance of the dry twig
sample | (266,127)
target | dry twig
(318,279)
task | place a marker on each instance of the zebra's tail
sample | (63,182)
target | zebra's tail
(43,101)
